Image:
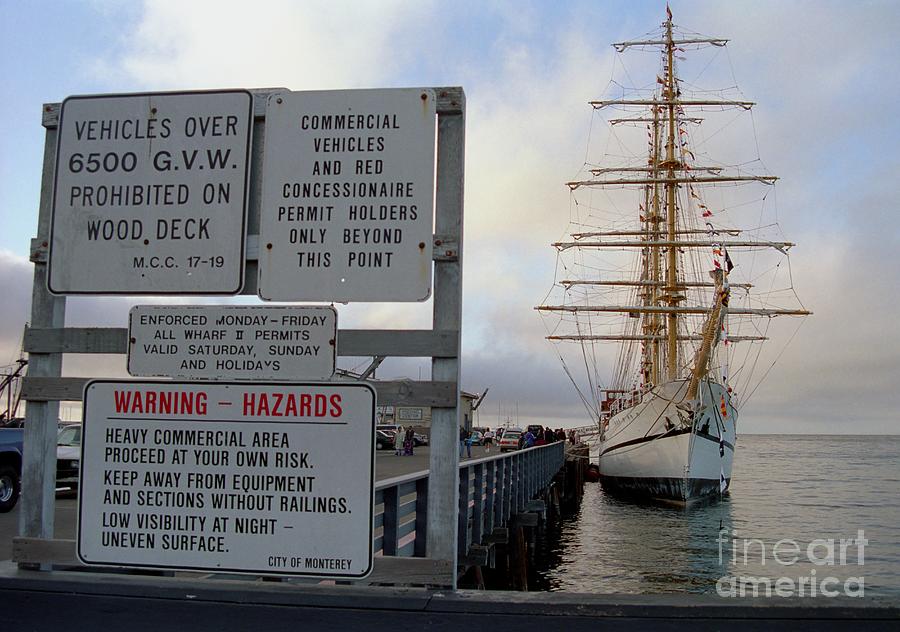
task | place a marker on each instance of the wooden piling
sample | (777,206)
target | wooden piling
(518,563)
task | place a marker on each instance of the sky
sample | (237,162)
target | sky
(823,74)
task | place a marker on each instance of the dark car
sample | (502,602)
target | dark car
(10,467)
(383,440)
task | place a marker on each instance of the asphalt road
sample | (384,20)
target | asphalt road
(387,465)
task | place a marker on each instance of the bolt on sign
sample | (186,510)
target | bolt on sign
(228,477)
(348,196)
(150,193)
(232,342)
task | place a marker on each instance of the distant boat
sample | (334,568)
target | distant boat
(668,420)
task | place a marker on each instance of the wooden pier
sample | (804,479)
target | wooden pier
(35,601)
(503,499)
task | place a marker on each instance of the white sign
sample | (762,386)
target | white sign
(409,414)
(231,477)
(347,201)
(232,342)
(151,194)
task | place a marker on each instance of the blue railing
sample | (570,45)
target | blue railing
(491,490)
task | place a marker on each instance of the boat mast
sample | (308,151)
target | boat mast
(645,293)
(671,296)
(662,287)
(656,278)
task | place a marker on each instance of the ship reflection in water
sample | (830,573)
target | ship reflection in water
(617,546)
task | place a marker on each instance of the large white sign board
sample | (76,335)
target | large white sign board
(266,479)
(347,202)
(232,342)
(150,194)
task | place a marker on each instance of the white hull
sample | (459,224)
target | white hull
(654,449)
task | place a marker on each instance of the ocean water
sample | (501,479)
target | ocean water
(803,494)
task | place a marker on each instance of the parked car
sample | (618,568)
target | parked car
(390,429)
(10,467)
(384,440)
(68,456)
(510,439)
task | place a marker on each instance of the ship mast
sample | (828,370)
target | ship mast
(662,286)
(655,325)
(671,297)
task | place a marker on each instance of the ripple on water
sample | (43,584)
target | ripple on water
(784,487)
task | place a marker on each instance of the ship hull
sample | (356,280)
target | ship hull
(655,449)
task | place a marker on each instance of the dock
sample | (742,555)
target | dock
(33,601)
(504,499)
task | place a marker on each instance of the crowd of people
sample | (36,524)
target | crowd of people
(405,442)
(534,436)
(543,436)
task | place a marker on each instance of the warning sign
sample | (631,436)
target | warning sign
(237,477)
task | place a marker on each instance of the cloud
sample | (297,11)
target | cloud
(15,308)
(310,45)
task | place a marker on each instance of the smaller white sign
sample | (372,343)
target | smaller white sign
(409,414)
(267,479)
(232,342)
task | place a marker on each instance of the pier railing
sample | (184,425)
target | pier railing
(491,490)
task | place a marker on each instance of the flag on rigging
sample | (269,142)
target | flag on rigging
(728,265)
(668,12)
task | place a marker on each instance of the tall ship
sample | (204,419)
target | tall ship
(674,256)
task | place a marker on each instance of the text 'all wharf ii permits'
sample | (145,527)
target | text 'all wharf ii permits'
(348,196)
(150,193)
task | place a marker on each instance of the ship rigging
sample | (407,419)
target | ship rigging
(657,263)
